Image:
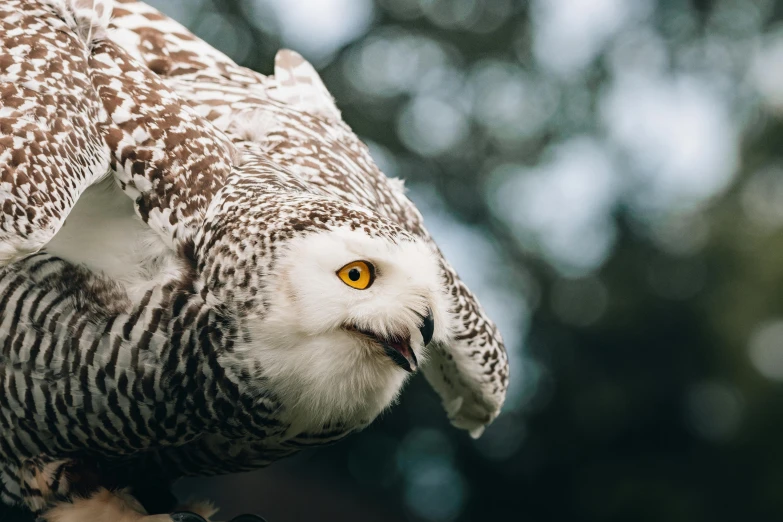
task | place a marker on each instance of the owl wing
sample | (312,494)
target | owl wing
(73,106)
(210,81)
(50,143)
(471,372)
(279,113)
(166,157)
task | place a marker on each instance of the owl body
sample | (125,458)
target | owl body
(225,278)
(186,380)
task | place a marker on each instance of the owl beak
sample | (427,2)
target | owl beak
(427,328)
(397,348)
(401,353)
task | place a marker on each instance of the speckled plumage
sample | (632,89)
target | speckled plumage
(50,150)
(241,177)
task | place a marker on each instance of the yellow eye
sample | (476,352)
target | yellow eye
(359,274)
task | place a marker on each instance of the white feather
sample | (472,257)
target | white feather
(103,233)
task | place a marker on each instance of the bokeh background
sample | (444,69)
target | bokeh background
(607,176)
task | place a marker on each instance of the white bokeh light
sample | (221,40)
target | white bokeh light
(509,102)
(392,61)
(766,71)
(431,125)
(677,135)
(569,34)
(317,28)
(563,206)
(766,350)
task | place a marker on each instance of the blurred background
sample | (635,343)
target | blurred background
(607,176)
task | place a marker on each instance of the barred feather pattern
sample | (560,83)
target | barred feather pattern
(84,375)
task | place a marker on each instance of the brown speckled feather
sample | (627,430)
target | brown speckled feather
(50,146)
(167,158)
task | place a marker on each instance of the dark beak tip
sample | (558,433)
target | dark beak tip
(427,328)
(407,361)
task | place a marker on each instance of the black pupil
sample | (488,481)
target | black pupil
(354,274)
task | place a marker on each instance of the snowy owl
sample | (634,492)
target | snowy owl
(203,270)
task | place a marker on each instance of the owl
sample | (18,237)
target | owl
(203,270)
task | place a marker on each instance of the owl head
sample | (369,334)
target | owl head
(335,304)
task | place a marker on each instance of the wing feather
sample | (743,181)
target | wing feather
(167,158)
(50,145)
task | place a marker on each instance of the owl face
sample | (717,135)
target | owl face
(373,295)
(336,304)
(348,320)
